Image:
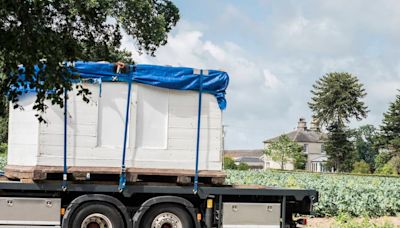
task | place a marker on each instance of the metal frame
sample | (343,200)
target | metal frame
(54,189)
(203,193)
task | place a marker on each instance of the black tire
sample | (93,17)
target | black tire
(157,210)
(104,209)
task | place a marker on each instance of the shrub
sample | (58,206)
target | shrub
(381,159)
(361,167)
(387,169)
(3,148)
(395,161)
(3,161)
(243,166)
(229,163)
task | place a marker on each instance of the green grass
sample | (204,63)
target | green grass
(345,221)
(354,195)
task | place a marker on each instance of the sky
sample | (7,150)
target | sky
(274,51)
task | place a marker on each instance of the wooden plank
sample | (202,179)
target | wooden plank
(183,180)
(133,174)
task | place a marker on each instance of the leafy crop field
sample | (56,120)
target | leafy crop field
(3,161)
(356,195)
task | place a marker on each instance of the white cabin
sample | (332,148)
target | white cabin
(162,129)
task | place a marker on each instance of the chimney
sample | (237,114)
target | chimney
(302,124)
(314,125)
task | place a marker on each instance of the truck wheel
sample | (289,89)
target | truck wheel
(96,215)
(167,216)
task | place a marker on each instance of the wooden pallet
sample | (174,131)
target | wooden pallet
(76,173)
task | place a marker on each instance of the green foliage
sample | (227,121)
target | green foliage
(352,194)
(387,169)
(300,160)
(3,148)
(340,150)
(361,167)
(390,128)
(365,140)
(344,220)
(381,159)
(3,160)
(392,167)
(337,97)
(395,161)
(3,120)
(229,163)
(285,150)
(243,166)
(4,129)
(60,31)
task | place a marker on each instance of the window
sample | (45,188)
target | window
(305,148)
(322,148)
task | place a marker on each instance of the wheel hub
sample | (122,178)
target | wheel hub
(96,221)
(166,220)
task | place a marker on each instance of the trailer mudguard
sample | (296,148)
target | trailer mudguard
(93,198)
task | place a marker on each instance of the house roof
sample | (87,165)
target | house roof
(303,136)
(249,159)
(243,153)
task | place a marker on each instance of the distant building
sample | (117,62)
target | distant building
(253,158)
(311,139)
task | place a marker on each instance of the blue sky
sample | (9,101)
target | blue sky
(275,50)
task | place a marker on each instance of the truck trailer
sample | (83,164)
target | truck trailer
(146,152)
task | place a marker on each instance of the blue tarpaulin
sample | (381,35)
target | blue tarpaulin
(179,78)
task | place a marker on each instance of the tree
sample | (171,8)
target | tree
(387,169)
(337,97)
(229,163)
(365,140)
(40,35)
(284,150)
(300,160)
(361,167)
(340,150)
(390,128)
(381,159)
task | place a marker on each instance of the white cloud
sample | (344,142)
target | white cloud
(273,58)
(271,81)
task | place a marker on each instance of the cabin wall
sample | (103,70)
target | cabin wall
(162,129)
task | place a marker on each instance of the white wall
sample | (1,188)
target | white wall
(162,130)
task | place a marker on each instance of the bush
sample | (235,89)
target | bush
(3,148)
(243,166)
(381,159)
(360,167)
(395,161)
(229,163)
(300,161)
(3,161)
(387,169)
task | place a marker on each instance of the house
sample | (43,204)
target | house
(311,139)
(253,158)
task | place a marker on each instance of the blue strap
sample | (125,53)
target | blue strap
(122,178)
(64,185)
(196,174)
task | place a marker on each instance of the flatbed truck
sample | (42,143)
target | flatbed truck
(149,205)
(105,203)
